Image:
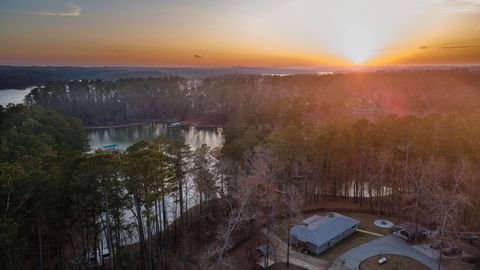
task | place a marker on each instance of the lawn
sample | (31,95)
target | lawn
(394,262)
(366,222)
(345,245)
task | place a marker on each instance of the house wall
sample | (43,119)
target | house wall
(294,240)
(312,248)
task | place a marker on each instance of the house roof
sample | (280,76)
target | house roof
(410,228)
(319,230)
(263,250)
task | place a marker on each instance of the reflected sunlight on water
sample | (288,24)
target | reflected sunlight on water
(126,136)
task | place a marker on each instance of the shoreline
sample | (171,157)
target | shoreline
(133,124)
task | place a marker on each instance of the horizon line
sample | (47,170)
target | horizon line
(248,67)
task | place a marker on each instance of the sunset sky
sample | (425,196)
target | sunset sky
(274,33)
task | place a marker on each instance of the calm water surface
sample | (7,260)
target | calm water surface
(14,96)
(126,136)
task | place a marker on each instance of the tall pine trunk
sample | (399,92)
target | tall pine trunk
(141,234)
(108,233)
(40,246)
(165,230)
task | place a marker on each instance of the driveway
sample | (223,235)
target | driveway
(296,258)
(389,244)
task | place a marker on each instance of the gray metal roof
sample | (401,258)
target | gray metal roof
(319,230)
(410,227)
(263,250)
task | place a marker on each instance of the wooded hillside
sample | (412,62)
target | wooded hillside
(268,99)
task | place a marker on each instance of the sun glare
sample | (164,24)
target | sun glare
(358,44)
(351,32)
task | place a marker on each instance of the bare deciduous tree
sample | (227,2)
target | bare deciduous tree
(264,163)
(240,213)
(447,198)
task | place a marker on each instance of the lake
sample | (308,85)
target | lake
(126,136)
(14,96)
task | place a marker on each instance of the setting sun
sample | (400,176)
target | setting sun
(358,44)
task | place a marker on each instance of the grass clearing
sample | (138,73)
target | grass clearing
(345,245)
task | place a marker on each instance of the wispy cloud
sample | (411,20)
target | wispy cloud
(465,45)
(460,46)
(71,11)
(197,56)
(463,6)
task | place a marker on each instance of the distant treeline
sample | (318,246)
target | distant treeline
(18,77)
(12,77)
(275,100)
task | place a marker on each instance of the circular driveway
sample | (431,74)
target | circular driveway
(389,244)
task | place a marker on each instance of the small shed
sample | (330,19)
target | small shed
(262,252)
(411,231)
(318,233)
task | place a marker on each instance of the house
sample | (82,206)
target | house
(317,234)
(411,231)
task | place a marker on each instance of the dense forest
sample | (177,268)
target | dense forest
(38,151)
(268,99)
(397,143)
(64,209)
